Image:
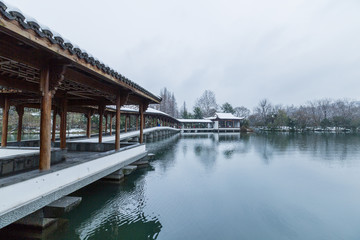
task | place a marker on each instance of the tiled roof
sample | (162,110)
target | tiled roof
(226,116)
(12,13)
(136,110)
(194,120)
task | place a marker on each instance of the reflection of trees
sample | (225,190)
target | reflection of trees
(207,152)
(324,146)
(231,143)
(165,150)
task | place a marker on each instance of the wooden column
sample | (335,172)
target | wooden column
(20,112)
(106,122)
(5,122)
(117,133)
(54,125)
(63,120)
(88,125)
(45,122)
(101,116)
(126,122)
(110,125)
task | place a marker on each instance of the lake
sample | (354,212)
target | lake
(230,186)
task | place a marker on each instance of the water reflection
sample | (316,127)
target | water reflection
(112,211)
(230,186)
(321,146)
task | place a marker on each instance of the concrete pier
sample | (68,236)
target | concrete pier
(63,179)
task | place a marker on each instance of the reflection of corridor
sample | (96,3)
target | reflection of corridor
(125,209)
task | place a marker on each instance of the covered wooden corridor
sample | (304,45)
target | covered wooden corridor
(40,69)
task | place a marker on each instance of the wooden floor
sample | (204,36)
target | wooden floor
(124,136)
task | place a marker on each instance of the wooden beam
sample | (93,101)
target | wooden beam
(45,124)
(117,133)
(5,122)
(87,102)
(24,54)
(17,83)
(86,80)
(20,112)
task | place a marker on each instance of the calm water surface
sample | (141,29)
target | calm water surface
(230,186)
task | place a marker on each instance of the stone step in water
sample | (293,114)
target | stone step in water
(115,176)
(128,169)
(61,206)
(48,215)
(141,163)
(151,156)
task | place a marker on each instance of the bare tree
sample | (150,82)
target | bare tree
(263,110)
(207,103)
(242,112)
(168,104)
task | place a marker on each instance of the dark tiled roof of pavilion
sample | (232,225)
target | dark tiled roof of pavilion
(26,22)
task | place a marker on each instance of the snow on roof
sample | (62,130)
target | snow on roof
(225,116)
(135,109)
(194,120)
(154,111)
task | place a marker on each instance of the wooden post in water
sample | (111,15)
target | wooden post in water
(117,125)
(45,122)
(5,122)
(20,112)
(88,124)
(63,120)
(54,125)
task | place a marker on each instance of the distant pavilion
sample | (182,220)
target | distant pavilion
(221,122)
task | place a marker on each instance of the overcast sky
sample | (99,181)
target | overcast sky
(289,51)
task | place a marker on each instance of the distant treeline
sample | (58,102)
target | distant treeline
(205,106)
(323,114)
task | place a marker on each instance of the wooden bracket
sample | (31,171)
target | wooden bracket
(145,106)
(20,110)
(56,73)
(101,109)
(124,97)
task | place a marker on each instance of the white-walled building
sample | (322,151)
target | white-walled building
(219,122)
